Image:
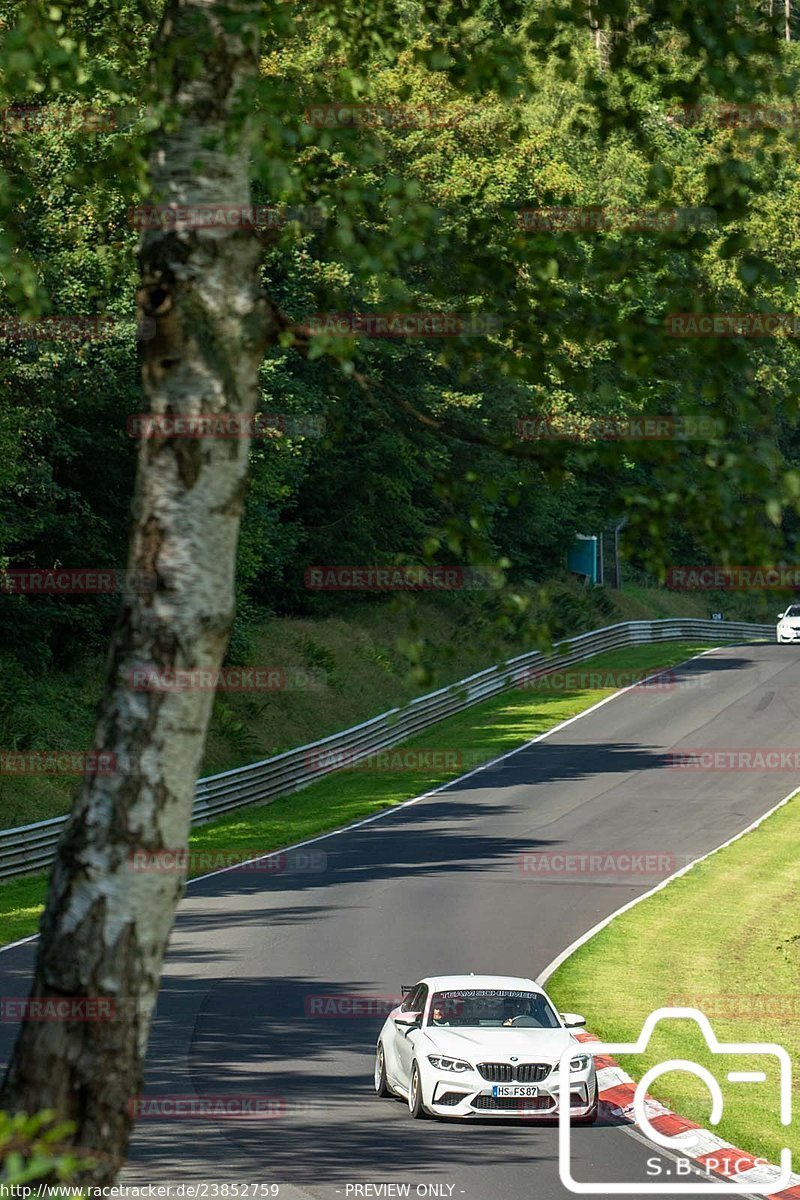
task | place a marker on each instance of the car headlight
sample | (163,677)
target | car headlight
(581,1063)
(449,1064)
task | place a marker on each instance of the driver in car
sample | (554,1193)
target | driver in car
(441,1013)
(513,1009)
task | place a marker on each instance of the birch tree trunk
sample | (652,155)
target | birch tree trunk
(599,37)
(788,20)
(105,927)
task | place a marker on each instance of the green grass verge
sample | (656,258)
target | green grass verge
(480,733)
(724,938)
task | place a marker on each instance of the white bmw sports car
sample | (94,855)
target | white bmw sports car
(482,1046)
(788,627)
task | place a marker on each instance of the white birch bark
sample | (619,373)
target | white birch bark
(105,928)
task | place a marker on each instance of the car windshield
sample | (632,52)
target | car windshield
(794,611)
(492,1008)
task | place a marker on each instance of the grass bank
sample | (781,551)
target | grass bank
(724,939)
(351,654)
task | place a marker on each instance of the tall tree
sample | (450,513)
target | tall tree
(103,932)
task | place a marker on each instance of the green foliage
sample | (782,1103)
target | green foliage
(35,1147)
(418,457)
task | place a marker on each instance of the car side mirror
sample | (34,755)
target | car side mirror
(573,1020)
(779,616)
(409,1020)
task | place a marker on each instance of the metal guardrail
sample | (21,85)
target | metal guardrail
(29,848)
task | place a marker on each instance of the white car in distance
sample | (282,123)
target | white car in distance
(483,1046)
(788,629)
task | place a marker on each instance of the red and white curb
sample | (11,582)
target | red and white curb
(711,1153)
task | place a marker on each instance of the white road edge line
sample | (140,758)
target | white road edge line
(393,808)
(581,941)
(633,1130)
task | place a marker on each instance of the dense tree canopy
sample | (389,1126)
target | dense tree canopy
(409,447)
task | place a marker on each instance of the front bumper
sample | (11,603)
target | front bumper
(459,1097)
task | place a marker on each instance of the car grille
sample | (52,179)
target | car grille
(532,1072)
(508,1073)
(513,1103)
(451,1098)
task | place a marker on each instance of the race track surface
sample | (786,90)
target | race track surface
(435,887)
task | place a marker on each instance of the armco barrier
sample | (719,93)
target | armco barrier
(31,847)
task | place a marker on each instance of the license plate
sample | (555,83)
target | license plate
(514,1089)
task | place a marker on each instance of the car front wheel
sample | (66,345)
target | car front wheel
(416,1107)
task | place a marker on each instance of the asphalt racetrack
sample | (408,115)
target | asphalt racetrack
(435,887)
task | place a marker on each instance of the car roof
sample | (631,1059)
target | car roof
(444,983)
